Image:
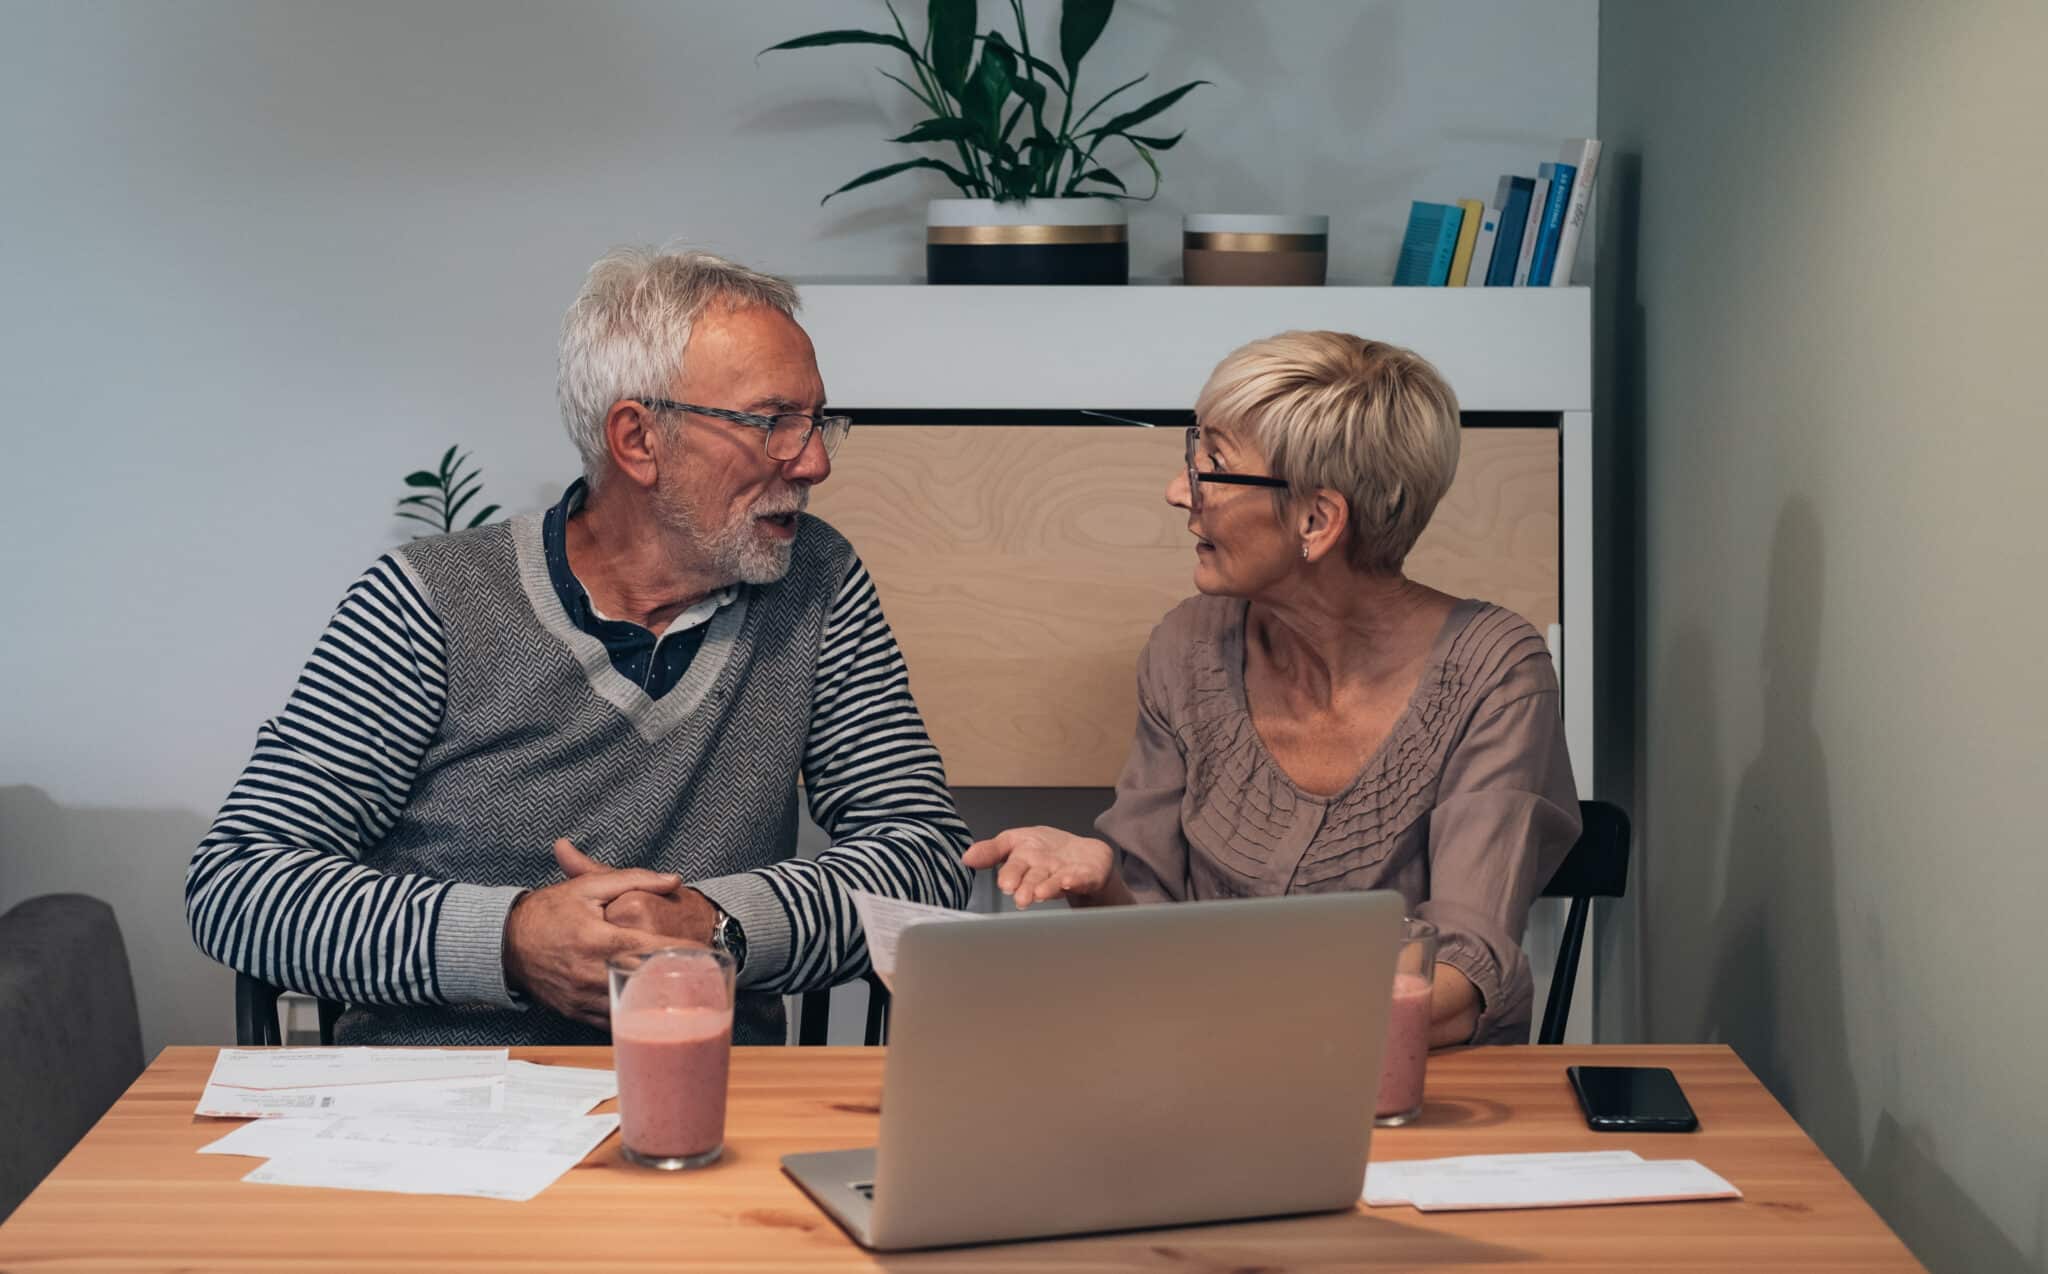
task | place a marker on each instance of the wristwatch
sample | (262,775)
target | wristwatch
(727,936)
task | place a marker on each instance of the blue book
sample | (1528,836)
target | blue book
(1512,198)
(1429,245)
(1547,233)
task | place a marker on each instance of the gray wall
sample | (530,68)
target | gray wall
(1820,301)
(262,258)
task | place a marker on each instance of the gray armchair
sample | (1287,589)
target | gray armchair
(70,1039)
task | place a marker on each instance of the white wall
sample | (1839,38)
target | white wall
(1821,293)
(261,258)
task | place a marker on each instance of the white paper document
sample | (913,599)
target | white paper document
(533,1089)
(885,919)
(1387,1184)
(268,1083)
(491,1156)
(1540,1181)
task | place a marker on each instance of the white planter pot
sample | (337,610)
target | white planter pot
(1060,241)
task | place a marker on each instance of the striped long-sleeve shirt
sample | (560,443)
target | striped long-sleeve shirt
(294,883)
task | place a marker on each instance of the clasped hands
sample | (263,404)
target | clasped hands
(557,939)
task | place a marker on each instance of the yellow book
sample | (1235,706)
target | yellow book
(1461,263)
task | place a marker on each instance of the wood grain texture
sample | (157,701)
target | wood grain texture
(135,1196)
(1023,569)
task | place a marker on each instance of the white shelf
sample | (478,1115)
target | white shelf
(915,346)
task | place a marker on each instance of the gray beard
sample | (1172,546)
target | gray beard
(734,551)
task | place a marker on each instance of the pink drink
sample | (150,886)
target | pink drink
(672,1067)
(1407,1053)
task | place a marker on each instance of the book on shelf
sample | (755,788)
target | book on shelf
(1482,246)
(1512,198)
(1560,176)
(1531,228)
(1429,245)
(1527,235)
(1583,154)
(1468,242)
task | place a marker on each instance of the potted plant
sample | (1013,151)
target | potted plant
(1038,202)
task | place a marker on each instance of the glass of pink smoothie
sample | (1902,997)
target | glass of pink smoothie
(671,1046)
(1407,1055)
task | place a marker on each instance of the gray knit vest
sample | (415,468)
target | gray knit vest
(541,738)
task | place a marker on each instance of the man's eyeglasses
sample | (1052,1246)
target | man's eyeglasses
(1197,477)
(785,434)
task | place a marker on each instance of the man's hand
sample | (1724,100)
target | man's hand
(557,940)
(681,912)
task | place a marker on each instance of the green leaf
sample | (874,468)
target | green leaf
(457,506)
(958,178)
(1081,23)
(416,499)
(1102,101)
(1102,175)
(1158,143)
(930,103)
(982,101)
(482,517)
(1124,121)
(447,463)
(1032,92)
(422,478)
(821,39)
(952,24)
(948,129)
(1038,64)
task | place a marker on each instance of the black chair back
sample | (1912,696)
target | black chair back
(256,1021)
(816,1013)
(1596,867)
(70,1035)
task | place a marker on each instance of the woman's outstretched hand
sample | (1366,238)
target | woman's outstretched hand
(1037,864)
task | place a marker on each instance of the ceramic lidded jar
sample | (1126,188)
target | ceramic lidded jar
(1254,250)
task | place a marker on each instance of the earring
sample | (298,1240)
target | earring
(1304,552)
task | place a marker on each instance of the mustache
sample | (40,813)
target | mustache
(773,507)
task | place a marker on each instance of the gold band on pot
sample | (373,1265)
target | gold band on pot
(987,235)
(1236,241)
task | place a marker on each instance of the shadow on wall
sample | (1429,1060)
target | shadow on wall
(1905,1183)
(133,859)
(1777,993)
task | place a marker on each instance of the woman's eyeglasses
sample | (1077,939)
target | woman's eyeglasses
(1197,477)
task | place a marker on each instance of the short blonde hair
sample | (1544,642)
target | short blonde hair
(1371,421)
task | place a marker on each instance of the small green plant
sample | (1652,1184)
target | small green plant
(449,488)
(972,107)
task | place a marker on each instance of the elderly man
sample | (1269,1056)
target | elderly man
(520,750)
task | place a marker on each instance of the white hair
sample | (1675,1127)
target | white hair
(626,334)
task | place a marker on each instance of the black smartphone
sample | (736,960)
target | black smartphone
(1632,1099)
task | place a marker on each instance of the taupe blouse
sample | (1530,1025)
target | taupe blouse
(1466,809)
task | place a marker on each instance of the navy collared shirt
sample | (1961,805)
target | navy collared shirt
(655,664)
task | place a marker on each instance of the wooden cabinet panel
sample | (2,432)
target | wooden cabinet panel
(1023,568)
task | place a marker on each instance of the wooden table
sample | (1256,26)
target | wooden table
(133,1195)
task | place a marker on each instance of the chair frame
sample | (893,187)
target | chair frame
(1596,867)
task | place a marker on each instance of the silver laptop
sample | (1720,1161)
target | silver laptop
(1063,1072)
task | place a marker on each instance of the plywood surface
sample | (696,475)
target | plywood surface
(1024,567)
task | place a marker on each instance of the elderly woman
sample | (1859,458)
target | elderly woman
(1315,720)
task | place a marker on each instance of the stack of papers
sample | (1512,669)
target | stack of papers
(409,1121)
(885,919)
(1540,1181)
